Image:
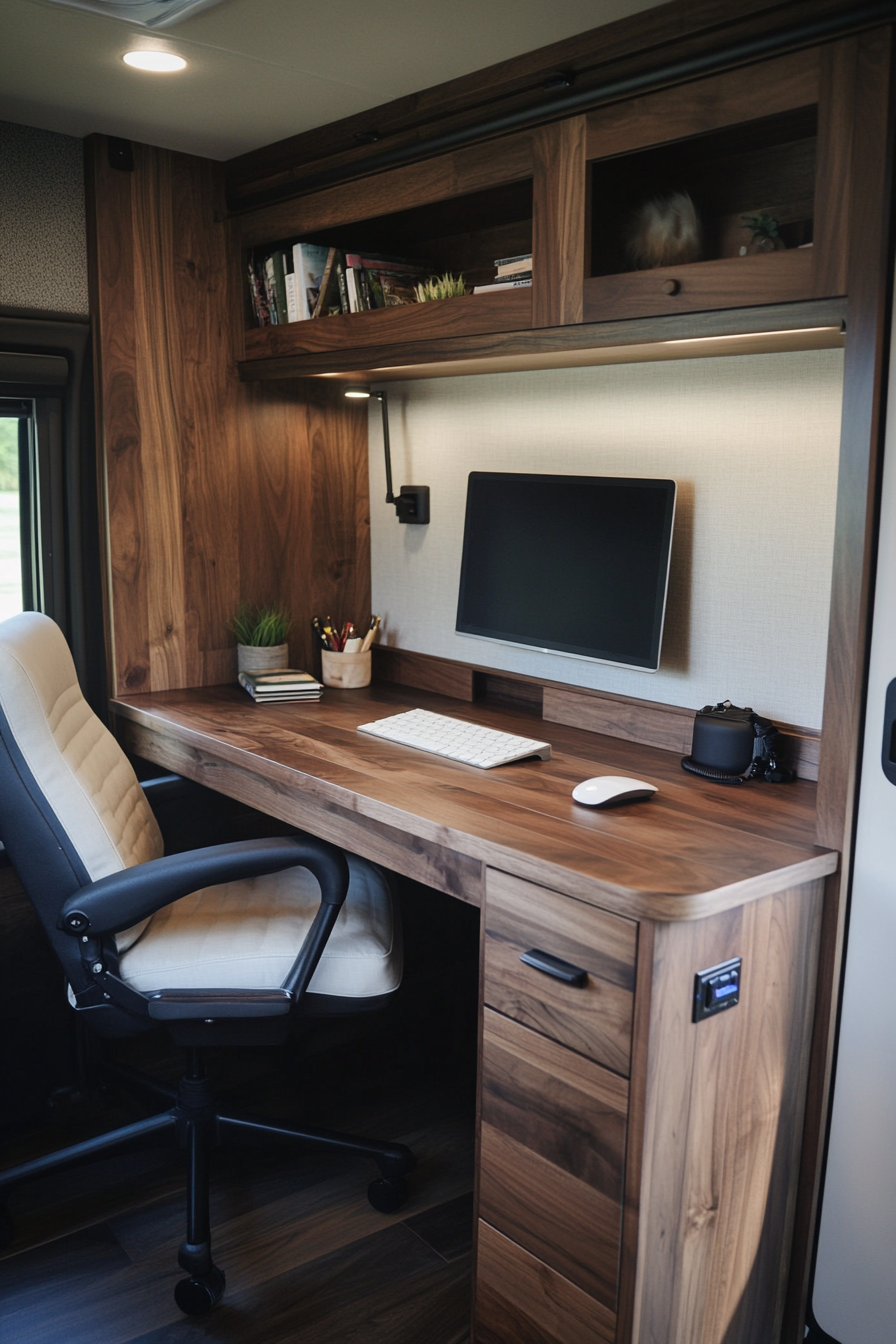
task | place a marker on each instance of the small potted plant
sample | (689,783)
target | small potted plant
(440,287)
(261,637)
(765,234)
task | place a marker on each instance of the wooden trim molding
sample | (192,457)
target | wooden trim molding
(647,722)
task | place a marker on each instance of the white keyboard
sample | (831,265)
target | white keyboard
(456,739)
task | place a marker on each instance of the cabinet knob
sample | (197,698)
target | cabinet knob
(671,286)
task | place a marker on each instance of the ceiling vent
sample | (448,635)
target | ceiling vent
(147,13)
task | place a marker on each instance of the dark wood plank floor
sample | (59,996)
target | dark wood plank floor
(306,1257)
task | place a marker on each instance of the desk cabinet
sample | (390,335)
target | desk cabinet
(636,1169)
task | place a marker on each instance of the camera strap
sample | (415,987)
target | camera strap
(765,764)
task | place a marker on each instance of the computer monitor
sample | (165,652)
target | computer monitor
(575,565)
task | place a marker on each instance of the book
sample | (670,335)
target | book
(510,261)
(502,285)
(328,302)
(513,278)
(309,263)
(258,293)
(353,288)
(515,267)
(341,281)
(285,684)
(269,290)
(289,280)
(276,286)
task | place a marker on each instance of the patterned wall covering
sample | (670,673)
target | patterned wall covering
(43,241)
(753,442)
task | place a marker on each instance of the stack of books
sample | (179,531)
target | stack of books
(299,281)
(510,273)
(285,684)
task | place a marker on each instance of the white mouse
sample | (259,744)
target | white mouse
(605,789)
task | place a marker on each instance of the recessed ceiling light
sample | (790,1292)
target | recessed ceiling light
(161,62)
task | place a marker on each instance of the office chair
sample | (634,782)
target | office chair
(220,944)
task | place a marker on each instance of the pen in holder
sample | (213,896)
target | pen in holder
(346,670)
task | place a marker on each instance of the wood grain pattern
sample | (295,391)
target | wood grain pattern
(520,1300)
(655,725)
(469,315)
(833,184)
(639,45)
(111,277)
(555,1102)
(861,450)
(424,861)
(724,1112)
(668,726)
(436,179)
(634,1148)
(558,223)
(814,325)
(217,493)
(730,282)
(423,671)
(690,852)
(594,1019)
(551,1153)
(566,1223)
(705,105)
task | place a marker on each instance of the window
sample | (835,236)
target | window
(15,417)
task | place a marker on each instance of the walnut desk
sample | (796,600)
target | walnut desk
(637,1171)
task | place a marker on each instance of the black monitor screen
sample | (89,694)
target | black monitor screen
(568,564)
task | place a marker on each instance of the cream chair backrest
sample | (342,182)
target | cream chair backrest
(83,773)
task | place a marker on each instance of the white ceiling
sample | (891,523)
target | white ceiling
(261,70)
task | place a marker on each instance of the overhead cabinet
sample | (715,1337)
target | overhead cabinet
(763,152)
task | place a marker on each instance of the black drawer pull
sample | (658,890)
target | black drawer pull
(555,966)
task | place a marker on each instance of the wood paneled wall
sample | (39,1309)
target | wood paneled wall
(216,492)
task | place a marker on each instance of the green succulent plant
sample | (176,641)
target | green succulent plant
(262,627)
(762,226)
(445,286)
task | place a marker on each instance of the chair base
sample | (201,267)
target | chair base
(197,1123)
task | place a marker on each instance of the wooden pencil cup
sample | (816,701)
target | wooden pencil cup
(345,670)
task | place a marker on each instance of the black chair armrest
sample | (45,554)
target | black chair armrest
(162,788)
(116,902)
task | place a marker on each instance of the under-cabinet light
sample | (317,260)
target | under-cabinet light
(159,62)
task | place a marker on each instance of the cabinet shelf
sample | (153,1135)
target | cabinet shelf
(765,138)
(471,315)
(816,324)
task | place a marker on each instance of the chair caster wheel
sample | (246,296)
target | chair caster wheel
(6,1229)
(197,1295)
(387,1193)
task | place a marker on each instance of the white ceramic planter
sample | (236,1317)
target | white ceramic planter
(254,658)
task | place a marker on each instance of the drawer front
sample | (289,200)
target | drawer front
(730,282)
(552,1152)
(594,1018)
(520,1300)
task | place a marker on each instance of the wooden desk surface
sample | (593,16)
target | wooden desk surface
(694,849)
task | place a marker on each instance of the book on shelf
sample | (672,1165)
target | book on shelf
(258,293)
(328,301)
(506,283)
(277,274)
(289,281)
(284,684)
(513,265)
(309,263)
(309,280)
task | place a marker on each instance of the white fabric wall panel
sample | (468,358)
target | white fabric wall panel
(753,442)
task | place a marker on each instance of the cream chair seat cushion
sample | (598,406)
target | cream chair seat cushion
(246,935)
